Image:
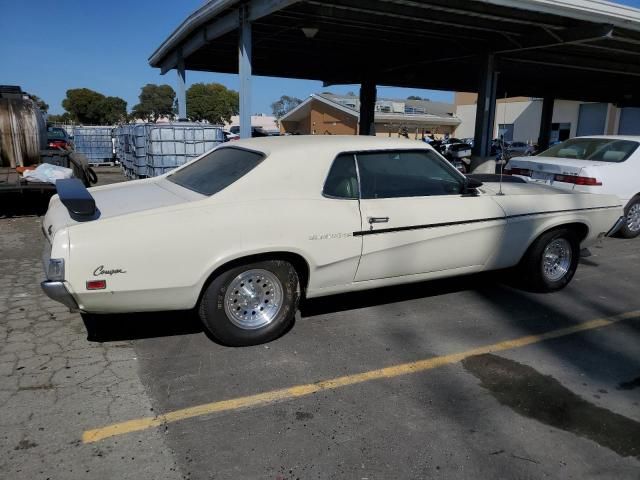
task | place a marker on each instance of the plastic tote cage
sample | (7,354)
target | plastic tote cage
(152,149)
(95,143)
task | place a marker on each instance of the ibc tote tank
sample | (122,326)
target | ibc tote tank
(22,130)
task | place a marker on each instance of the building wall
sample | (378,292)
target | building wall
(331,121)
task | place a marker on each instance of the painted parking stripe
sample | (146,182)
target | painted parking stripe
(297,391)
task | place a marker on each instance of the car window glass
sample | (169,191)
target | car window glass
(409,173)
(217,170)
(342,181)
(595,149)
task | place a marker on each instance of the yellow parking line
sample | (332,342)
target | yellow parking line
(289,393)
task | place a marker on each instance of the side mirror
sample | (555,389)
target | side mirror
(472,184)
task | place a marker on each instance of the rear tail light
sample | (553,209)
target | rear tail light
(96,284)
(525,172)
(577,180)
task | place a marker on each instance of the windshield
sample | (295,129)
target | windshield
(217,170)
(595,149)
(56,134)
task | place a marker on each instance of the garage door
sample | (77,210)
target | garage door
(592,119)
(629,121)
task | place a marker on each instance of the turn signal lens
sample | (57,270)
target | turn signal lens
(96,284)
(55,269)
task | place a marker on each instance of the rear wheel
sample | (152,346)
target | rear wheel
(631,228)
(551,261)
(251,304)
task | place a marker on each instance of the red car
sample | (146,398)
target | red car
(57,138)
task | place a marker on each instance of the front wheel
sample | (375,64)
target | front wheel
(251,304)
(551,261)
(631,228)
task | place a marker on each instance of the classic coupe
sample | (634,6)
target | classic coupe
(248,229)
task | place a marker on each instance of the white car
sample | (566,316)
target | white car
(599,164)
(247,229)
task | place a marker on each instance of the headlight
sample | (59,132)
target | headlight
(55,269)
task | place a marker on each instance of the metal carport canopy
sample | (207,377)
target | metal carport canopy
(571,49)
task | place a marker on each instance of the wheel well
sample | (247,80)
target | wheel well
(635,197)
(580,229)
(298,262)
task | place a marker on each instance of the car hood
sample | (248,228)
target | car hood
(121,199)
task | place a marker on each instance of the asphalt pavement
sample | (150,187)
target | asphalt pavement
(462,378)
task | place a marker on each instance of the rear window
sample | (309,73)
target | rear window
(217,170)
(54,133)
(595,149)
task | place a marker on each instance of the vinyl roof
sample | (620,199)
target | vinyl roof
(571,49)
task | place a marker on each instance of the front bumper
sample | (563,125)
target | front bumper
(58,292)
(618,225)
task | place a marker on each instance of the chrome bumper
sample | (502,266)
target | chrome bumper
(618,225)
(58,292)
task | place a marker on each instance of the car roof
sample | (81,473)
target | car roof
(635,138)
(327,143)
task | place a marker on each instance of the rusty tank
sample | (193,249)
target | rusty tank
(22,129)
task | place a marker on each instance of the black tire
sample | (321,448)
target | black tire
(625,231)
(225,329)
(532,271)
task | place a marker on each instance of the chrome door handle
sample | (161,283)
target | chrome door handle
(373,220)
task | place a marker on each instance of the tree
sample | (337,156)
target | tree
(212,102)
(64,118)
(90,107)
(155,101)
(82,104)
(414,97)
(42,105)
(283,105)
(113,110)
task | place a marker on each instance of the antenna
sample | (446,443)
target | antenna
(504,152)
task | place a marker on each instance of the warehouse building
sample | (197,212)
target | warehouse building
(328,114)
(518,118)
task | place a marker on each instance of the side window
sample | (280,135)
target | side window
(410,173)
(342,181)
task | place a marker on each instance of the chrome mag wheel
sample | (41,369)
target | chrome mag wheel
(633,218)
(253,299)
(556,259)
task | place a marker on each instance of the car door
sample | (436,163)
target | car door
(417,217)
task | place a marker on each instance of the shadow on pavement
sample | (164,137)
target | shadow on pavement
(24,204)
(134,326)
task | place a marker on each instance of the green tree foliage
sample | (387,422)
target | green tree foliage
(113,110)
(155,101)
(212,102)
(93,108)
(414,97)
(64,118)
(284,104)
(42,105)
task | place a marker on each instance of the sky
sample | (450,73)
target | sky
(48,47)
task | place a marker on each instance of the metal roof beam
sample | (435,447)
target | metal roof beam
(580,35)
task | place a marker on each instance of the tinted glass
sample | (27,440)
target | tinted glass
(406,174)
(342,181)
(217,170)
(54,133)
(596,149)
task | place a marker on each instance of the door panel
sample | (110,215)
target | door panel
(428,234)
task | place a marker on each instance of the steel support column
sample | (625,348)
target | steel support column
(486,108)
(244,69)
(367,107)
(545,123)
(182,93)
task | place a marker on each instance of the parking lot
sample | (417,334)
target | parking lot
(464,378)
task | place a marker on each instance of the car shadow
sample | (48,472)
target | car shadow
(24,204)
(136,326)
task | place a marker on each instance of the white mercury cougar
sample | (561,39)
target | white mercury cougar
(247,229)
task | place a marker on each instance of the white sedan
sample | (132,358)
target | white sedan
(601,164)
(246,230)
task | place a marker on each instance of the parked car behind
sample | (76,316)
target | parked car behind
(57,137)
(599,164)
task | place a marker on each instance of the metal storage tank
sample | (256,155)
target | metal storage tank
(22,129)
